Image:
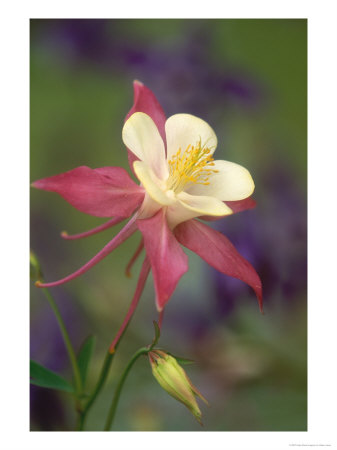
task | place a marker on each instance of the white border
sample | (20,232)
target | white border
(322,222)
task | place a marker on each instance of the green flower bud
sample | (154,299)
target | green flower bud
(172,377)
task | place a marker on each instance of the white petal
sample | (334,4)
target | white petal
(183,130)
(148,208)
(140,135)
(177,213)
(204,205)
(189,206)
(152,184)
(232,182)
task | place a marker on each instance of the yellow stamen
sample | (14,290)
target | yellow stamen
(193,166)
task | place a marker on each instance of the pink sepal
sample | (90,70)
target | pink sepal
(236,206)
(242,205)
(103,192)
(145,101)
(168,260)
(219,253)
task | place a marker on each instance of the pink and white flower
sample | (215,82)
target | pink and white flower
(179,182)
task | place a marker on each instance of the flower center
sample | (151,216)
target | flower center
(193,166)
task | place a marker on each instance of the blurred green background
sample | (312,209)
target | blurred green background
(247,78)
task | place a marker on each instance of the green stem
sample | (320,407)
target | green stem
(67,342)
(113,407)
(101,380)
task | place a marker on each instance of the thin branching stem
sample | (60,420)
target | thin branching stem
(67,343)
(115,399)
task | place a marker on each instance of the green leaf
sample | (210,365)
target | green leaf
(41,376)
(85,355)
(181,360)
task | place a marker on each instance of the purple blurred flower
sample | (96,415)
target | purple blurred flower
(47,346)
(46,410)
(176,68)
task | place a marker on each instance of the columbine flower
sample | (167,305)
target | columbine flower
(173,379)
(180,180)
